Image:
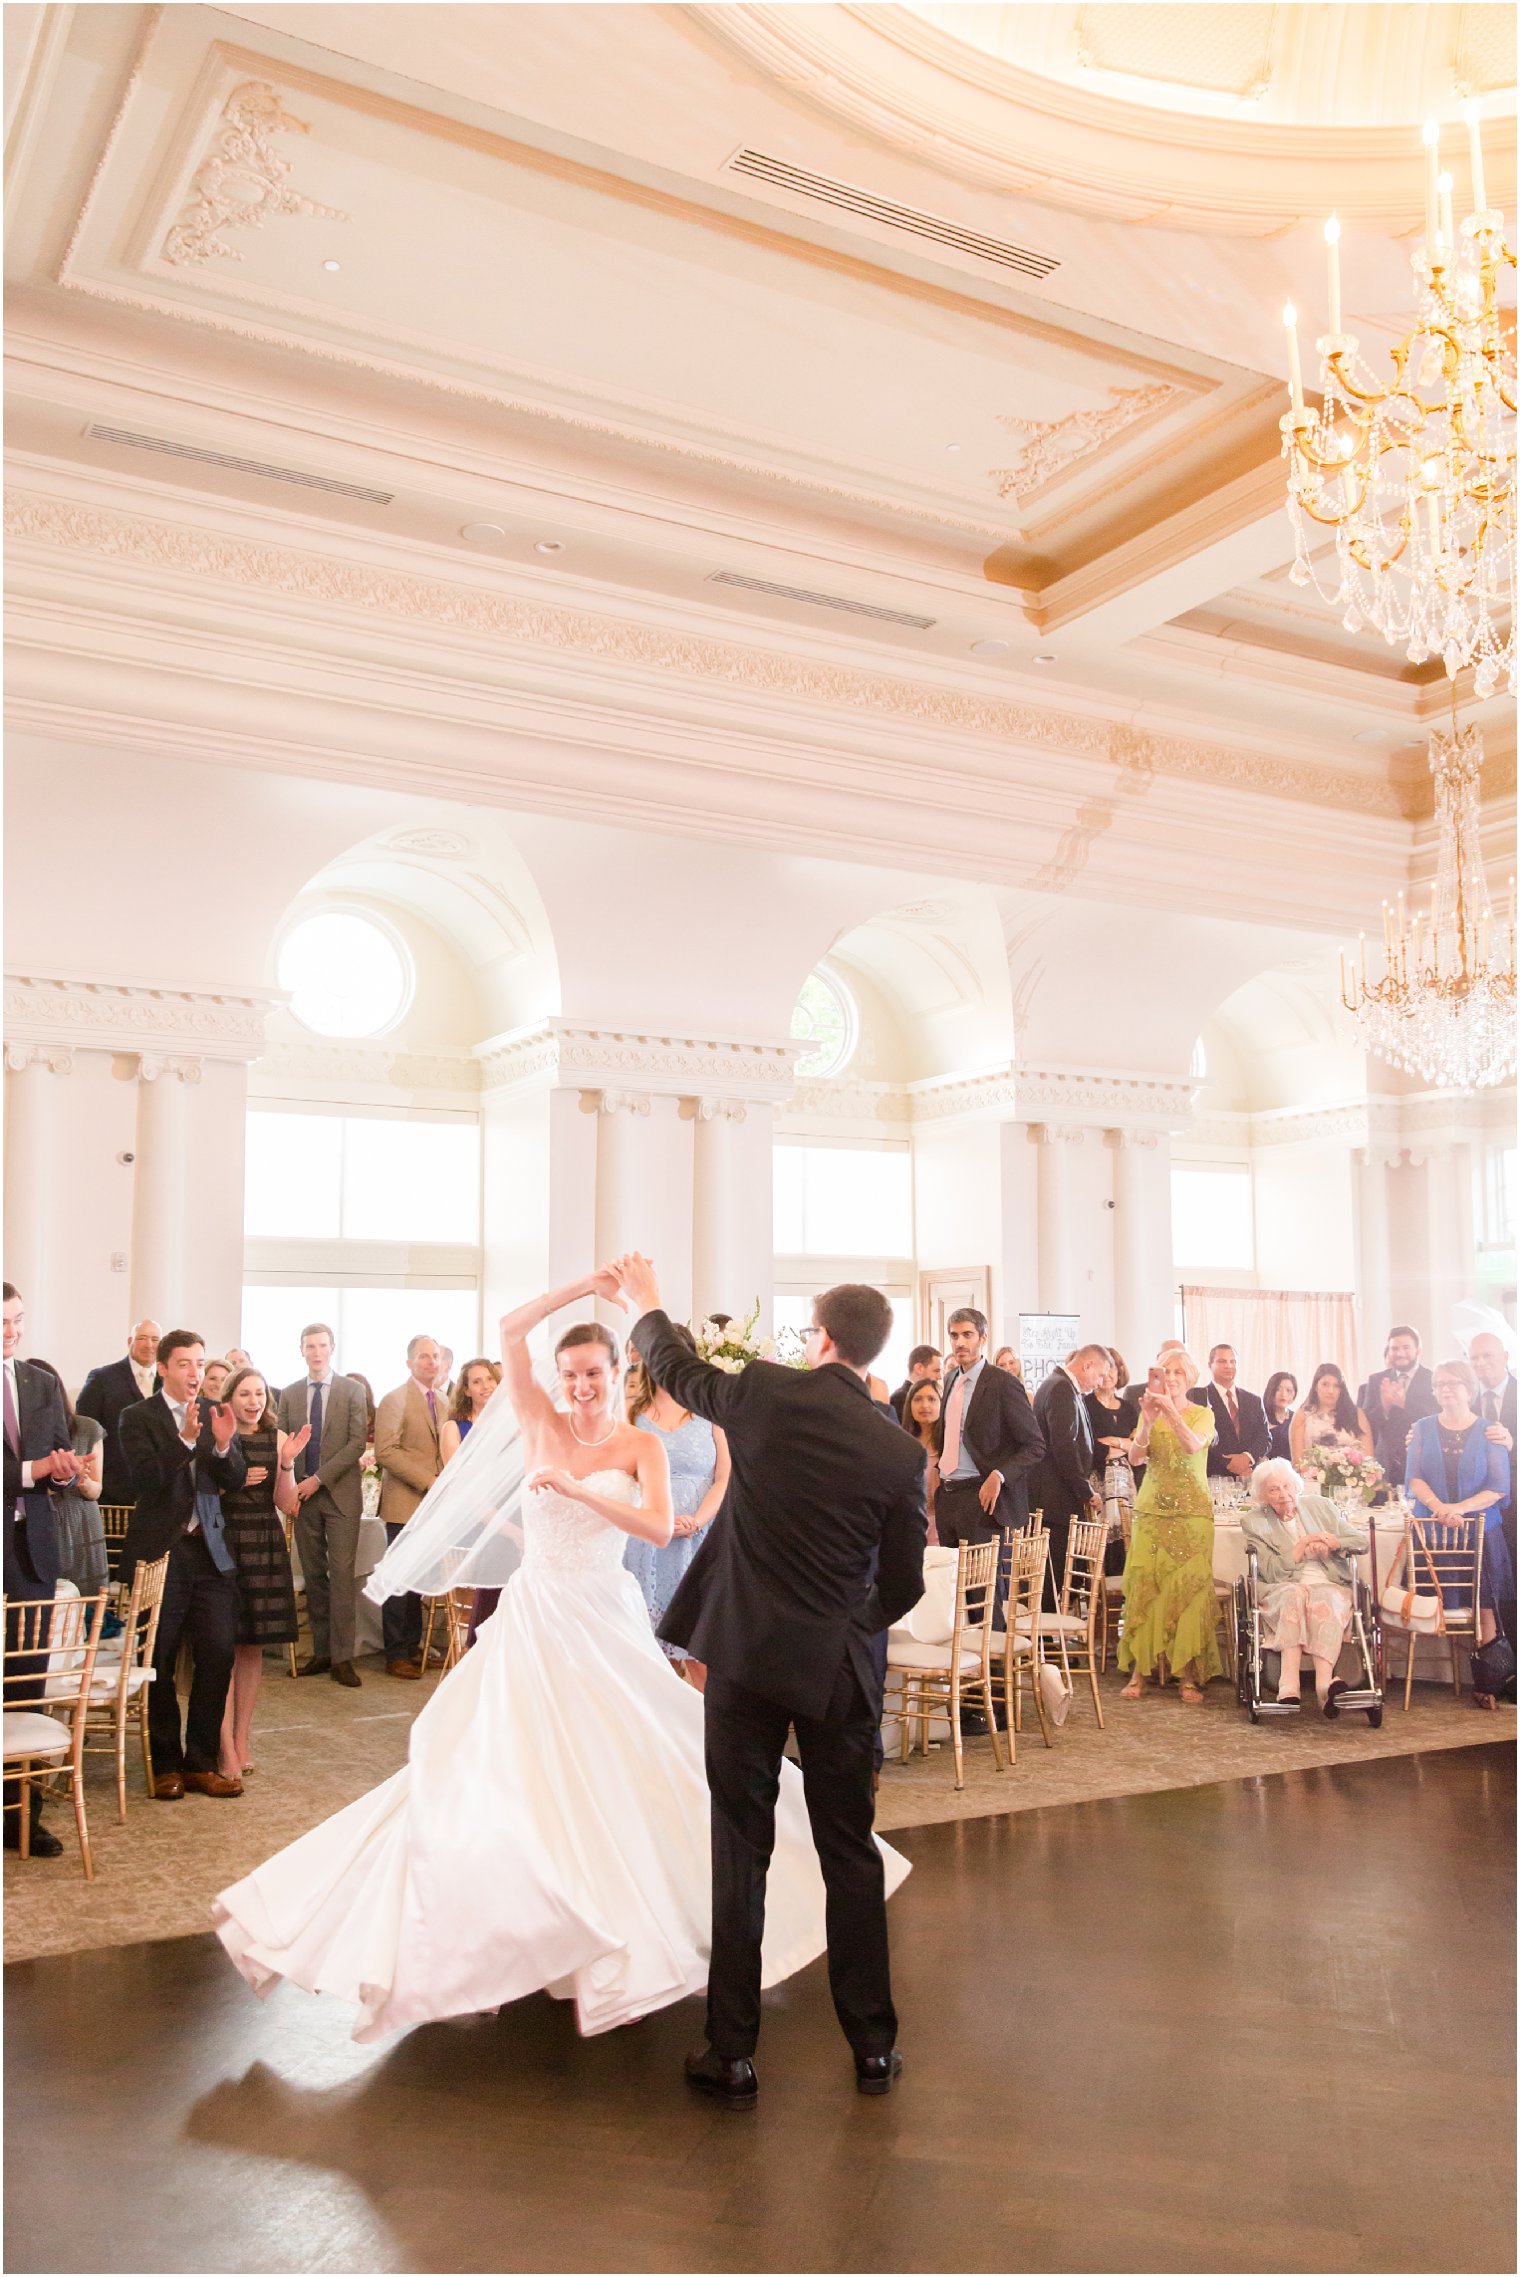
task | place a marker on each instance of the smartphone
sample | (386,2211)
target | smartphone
(1153,1379)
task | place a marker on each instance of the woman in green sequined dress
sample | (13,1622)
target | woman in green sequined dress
(1169,1611)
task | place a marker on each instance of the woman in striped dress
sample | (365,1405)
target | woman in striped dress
(256,1538)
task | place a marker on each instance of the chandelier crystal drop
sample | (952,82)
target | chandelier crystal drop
(1415,475)
(1444,1008)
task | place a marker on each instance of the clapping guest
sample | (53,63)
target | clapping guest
(923,1416)
(1396,1397)
(329,1501)
(38,1455)
(108,1390)
(266,1591)
(1277,1405)
(185,1456)
(1453,1470)
(1329,1417)
(1240,1420)
(697,1452)
(408,1434)
(76,1502)
(213,1382)
(924,1367)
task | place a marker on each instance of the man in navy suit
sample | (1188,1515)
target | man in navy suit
(39,1449)
(1241,1437)
(109,1391)
(1394,1399)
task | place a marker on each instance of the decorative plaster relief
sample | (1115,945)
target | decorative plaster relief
(1055,446)
(941,1097)
(152,1067)
(301,577)
(604,1059)
(1095,1097)
(624,1103)
(107,1016)
(241,180)
(719,1111)
(339,1062)
(442,845)
(51,1056)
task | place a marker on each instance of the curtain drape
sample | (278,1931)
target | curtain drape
(1272,1329)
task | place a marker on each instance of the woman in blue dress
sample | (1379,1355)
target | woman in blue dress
(1453,1471)
(698,1456)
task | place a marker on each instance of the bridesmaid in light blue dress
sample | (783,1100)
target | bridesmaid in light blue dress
(698,1458)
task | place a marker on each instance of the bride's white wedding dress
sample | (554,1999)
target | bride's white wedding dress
(549,1830)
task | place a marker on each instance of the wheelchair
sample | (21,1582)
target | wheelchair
(1252,1672)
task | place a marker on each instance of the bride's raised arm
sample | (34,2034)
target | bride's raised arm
(531,1404)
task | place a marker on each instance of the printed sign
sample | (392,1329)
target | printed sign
(1045,1338)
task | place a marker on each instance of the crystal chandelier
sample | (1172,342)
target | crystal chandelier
(1445,1006)
(1416,476)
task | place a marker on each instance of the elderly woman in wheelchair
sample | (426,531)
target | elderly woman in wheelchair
(1304,1547)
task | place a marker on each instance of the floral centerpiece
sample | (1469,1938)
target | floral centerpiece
(369,1474)
(731,1344)
(1342,1472)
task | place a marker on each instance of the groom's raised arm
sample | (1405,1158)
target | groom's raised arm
(695,1383)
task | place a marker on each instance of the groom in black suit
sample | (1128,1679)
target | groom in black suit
(780,1603)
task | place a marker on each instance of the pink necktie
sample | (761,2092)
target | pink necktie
(950,1459)
(432,1410)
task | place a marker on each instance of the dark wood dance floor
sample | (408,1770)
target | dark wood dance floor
(1265,2025)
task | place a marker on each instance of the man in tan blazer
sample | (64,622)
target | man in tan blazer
(407,1424)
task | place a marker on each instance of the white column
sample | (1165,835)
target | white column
(31,1098)
(1058,1291)
(159,1228)
(1133,1298)
(732,1245)
(1451,1257)
(617,1178)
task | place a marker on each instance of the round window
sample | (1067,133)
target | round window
(824,1019)
(345,976)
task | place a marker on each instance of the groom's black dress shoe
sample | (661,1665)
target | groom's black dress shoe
(874,2075)
(731,2083)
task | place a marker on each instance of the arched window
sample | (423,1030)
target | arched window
(347,976)
(825,1019)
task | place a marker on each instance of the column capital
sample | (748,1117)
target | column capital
(1126,1136)
(54,1057)
(1051,1134)
(152,1065)
(705,1110)
(623,1102)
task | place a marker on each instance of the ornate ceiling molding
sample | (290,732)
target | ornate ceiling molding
(241,180)
(294,575)
(906,85)
(334,1061)
(99,1015)
(1093,1096)
(1052,447)
(624,1063)
(1380,1128)
(945,1098)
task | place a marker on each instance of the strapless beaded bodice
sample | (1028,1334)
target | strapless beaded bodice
(564,1537)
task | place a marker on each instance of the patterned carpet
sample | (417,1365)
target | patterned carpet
(318,1746)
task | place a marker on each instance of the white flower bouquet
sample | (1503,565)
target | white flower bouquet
(731,1345)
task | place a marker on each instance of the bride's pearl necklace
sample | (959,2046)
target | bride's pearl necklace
(609,1433)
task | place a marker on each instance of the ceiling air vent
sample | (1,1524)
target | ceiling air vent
(96,433)
(802,184)
(823,600)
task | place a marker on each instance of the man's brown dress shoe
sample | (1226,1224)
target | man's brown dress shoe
(344,1672)
(211,1783)
(169,1788)
(318,1665)
(406,1668)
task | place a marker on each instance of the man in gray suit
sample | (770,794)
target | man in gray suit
(330,1490)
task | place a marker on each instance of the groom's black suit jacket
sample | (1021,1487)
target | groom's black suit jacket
(825,1491)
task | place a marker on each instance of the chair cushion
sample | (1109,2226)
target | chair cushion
(104,1684)
(932,1619)
(907,1652)
(1063,1625)
(29,1733)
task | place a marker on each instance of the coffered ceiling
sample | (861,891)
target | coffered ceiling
(695,349)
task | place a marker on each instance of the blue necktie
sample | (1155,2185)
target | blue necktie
(314,1444)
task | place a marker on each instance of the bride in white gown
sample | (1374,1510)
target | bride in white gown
(550,1827)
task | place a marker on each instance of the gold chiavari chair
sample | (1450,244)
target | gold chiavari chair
(440,1608)
(936,1678)
(1024,1561)
(49,1668)
(461,1606)
(123,1672)
(1074,1626)
(1441,1563)
(1119,1518)
(115,1517)
(288,1528)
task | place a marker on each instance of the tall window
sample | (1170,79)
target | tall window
(369,1222)
(845,1213)
(1212,1219)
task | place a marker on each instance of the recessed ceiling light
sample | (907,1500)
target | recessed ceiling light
(1046,656)
(1370,735)
(952,446)
(332,267)
(989,648)
(548,545)
(483,533)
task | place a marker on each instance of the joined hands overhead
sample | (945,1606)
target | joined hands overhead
(634,1283)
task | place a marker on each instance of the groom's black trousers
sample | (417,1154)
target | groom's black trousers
(745,1737)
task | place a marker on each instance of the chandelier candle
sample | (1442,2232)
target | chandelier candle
(1475,156)
(1333,241)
